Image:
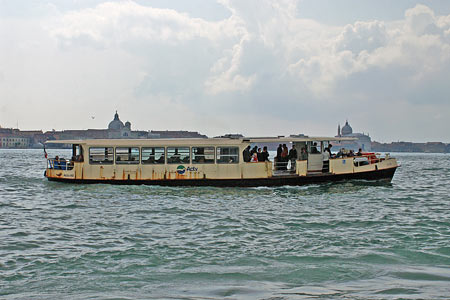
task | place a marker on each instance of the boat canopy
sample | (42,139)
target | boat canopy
(199,141)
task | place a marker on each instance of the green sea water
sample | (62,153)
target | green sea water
(353,240)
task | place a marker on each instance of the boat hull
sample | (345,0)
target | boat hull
(292,180)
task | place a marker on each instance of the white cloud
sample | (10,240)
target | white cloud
(261,62)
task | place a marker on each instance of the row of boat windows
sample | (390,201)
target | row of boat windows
(162,155)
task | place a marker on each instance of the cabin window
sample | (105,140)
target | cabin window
(77,153)
(101,155)
(227,155)
(178,155)
(202,155)
(127,155)
(154,155)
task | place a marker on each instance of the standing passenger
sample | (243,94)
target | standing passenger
(326,161)
(278,158)
(314,149)
(328,149)
(259,155)
(284,156)
(304,154)
(265,154)
(246,154)
(293,156)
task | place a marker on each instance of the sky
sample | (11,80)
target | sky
(255,67)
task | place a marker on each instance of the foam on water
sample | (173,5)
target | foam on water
(355,240)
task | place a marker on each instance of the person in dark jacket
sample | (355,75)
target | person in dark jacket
(246,154)
(265,154)
(278,157)
(328,149)
(293,156)
(259,155)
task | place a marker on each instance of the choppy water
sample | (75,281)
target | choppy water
(355,240)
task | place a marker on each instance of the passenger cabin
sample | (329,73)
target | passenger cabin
(212,161)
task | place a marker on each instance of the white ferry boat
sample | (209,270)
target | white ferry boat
(213,162)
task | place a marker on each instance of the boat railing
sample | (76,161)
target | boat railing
(59,164)
(366,158)
(280,168)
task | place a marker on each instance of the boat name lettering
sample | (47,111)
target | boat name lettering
(182,169)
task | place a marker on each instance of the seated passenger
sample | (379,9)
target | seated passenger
(160,160)
(62,163)
(200,159)
(254,157)
(359,153)
(175,157)
(56,163)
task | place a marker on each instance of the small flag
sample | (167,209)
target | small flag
(45,152)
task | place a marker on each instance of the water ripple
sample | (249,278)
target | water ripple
(357,240)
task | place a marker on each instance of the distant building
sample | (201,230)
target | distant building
(15,138)
(363,140)
(116,130)
(173,134)
(430,147)
(14,142)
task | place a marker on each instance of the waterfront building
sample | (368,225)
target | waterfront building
(14,142)
(15,138)
(362,141)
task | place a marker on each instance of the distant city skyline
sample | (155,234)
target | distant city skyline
(228,66)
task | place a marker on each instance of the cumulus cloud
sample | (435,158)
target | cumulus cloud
(262,61)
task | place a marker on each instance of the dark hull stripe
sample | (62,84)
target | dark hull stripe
(385,174)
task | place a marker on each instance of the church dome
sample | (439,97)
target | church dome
(116,124)
(347,129)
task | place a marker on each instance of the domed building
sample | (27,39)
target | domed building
(363,140)
(117,130)
(347,129)
(116,124)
